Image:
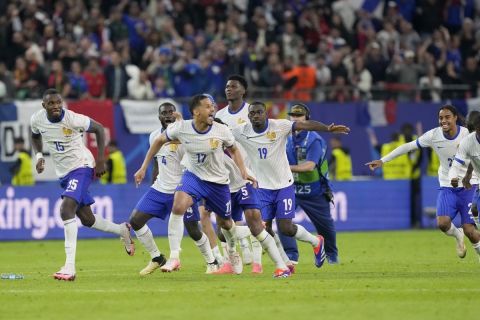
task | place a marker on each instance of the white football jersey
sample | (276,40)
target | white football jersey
(236,180)
(445,148)
(267,152)
(203,150)
(64,140)
(170,170)
(234,119)
(468,152)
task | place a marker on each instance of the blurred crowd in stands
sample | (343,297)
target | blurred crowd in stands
(410,50)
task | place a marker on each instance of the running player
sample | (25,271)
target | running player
(265,140)
(444,140)
(206,176)
(62,131)
(158,201)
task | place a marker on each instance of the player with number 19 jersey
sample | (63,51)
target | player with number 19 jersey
(268,157)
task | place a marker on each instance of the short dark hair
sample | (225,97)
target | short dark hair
(49,91)
(259,103)
(18,140)
(239,78)
(195,102)
(166,104)
(473,121)
(113,143)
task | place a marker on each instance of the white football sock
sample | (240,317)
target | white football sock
(268,243)
(217,254)
(175,235)
(145,236)
(106,225)
(476,246)
(224,251)
(204,246)
(70,230)
(230,236)
(454,232)
(242,232)
(257,249)
(279,245)
(305,236)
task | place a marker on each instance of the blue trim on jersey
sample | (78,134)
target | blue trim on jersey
(57,120)
(228,108)
(89,124)
(476,136)
(266,128)
(454,137)
(418,144)
(200,132)
(459,160)
(166,134)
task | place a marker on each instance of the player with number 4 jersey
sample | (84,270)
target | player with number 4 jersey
(265,141)
(62,131)
(444,141)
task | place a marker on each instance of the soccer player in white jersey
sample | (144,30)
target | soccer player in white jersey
(468,153)
(206,176)
(444,141)
(265,141)
(158,200)
(234,114)
(62,130)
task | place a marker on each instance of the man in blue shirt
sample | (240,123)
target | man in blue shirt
(307,155)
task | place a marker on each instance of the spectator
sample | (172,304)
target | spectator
(340,91)
(304,79)
(430,86)
(58,79)
(116,76)
(471,76)
(323,76)
(140,88)
(78,83)
(7,84)
(116,168)
(95,79)
(407,74)
(21,77)
(361,79)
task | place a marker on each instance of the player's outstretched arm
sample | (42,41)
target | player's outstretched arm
(398,151)
(99,132)
(152,151)
(37,145)
(312,125)
(374,164)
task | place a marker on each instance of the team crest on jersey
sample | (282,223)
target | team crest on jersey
(214,143)
(173,147)
(240,121)
(67,132)
(271,135)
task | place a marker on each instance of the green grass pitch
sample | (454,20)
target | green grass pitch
(382,275)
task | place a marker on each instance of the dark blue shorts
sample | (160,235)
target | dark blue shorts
(243,199)
(217,196)
(279,204)
(75,185)
(453,201)
(159,204)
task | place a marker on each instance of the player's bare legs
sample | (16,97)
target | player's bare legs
(445,224)
(138,221)
(182,201)
(94,221)
(255,224)
(288,228)
(207,228)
